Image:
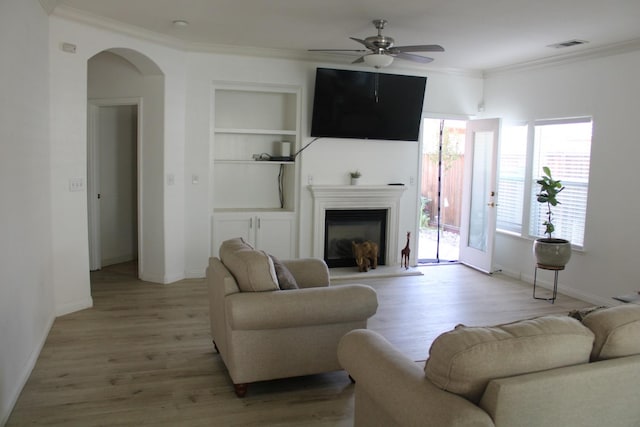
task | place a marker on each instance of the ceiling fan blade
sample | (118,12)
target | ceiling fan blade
(337,50)
(417,48)
(359,60)
(364,43)
(412,57)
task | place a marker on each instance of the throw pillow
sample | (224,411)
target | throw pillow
(286,281)
(252,269)
(617,331)
(583,312)
(464,360)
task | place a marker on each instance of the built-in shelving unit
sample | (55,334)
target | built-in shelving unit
(249,121)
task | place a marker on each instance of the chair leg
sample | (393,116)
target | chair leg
(353,381)
(215,347)
(241,389)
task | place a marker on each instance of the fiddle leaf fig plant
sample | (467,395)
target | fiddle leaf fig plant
(549,189)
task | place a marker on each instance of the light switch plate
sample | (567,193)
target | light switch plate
(76,184)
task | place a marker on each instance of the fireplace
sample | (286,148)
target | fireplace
(358,197)
(344,226)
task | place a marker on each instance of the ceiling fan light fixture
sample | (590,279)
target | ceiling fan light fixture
(378,60)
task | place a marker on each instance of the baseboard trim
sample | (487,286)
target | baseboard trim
(5,410)
(73,307)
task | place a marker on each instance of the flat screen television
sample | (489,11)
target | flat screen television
(366,105)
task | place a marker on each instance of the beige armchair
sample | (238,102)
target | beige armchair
(262,332)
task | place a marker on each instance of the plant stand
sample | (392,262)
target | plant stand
(556,270)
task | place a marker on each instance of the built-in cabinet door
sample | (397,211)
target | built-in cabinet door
(274,235)
(270,232)
(227,227)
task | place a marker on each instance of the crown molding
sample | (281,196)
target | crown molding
(92,20)
(582,55)
(49,5)
(66,12)
(54,8)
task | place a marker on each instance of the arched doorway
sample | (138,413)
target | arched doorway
(125,91)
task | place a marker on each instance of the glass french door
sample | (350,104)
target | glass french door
(479,213)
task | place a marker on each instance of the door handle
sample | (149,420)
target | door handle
(492,204)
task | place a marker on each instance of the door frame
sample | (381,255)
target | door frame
(93,173)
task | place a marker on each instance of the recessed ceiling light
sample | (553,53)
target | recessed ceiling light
(568,43)
(180,23)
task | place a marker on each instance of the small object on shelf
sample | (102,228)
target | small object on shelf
(285,149)
(281,159)
(355,177)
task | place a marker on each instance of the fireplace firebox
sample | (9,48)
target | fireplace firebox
(344,226)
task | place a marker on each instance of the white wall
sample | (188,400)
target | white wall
(26,288)
(327,160)
(163,156)
(608,89)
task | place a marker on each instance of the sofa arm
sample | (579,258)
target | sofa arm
(308,272)
(398,386)
(300,307)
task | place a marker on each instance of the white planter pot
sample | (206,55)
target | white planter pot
(552,252)
(355,181)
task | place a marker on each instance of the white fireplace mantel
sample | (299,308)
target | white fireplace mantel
(357,197)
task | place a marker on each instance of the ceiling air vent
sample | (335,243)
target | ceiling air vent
(569,43)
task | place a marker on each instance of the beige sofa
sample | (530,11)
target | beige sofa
(263,332)
(549,371)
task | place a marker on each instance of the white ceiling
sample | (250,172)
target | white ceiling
(476,34)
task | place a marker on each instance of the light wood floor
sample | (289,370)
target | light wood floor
(143,355)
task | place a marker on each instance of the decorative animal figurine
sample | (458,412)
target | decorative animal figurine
(404,253)
(366,255)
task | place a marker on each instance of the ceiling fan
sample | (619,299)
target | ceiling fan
(381,50)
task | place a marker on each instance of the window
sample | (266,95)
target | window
(564,145)
(511,183)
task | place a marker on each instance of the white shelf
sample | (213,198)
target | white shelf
(249,120)
(252,162)
(256,131)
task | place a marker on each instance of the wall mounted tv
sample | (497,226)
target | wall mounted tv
(365,105)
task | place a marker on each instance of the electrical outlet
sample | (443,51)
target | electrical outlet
(310,179)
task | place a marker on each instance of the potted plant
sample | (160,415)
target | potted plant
(549,251)
(355,177)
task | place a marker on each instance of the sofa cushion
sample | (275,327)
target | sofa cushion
(464,360)
(286,281)
(617,331)
(252,269)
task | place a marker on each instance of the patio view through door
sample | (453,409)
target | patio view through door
(457,212)
(443,145)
